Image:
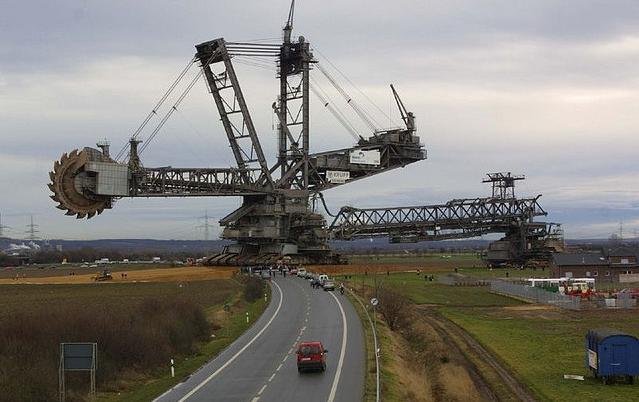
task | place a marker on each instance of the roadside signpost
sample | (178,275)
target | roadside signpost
(374,303)
(77,356)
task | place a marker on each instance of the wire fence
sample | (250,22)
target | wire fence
(536,294)
(622,301)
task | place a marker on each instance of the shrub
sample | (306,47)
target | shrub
(129,338)
(253,289)
(392,306)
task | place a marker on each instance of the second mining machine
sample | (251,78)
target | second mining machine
(275,217)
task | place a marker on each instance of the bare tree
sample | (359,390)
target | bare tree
(392,306)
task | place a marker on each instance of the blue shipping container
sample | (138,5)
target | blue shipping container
(611,353)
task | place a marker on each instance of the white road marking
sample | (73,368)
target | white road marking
(270,379)
(262,389)
(279,367)
(340,363)
(239,352)
(257,398)
(285,357)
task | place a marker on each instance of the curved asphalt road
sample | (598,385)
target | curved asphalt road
(261,364)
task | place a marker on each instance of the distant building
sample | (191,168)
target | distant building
(619,264)
(624,263)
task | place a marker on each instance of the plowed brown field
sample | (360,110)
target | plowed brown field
(183,274)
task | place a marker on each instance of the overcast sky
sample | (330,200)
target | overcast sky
(549,89)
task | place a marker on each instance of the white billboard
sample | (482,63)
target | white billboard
(337,176)
(365,157)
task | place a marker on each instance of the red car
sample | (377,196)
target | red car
(311,356)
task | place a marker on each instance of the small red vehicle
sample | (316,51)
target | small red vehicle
(311,356)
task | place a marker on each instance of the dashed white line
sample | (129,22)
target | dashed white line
(239,352)
(278,367)
(257,398)
(270,379)
(262,389)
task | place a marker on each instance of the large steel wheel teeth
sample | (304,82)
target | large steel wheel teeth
(65,193)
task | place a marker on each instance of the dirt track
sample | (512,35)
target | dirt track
(461,341)
(183,274)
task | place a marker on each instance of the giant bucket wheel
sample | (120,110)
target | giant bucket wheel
(68,184)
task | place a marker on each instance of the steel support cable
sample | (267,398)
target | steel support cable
(338,115)
(171,110)
(246,60)
(183,95)
(157,106)
(354,86)
(350,101)
(358,108)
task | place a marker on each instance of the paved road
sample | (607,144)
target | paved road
(260,365)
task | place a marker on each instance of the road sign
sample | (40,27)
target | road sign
(374,301)
(77,356)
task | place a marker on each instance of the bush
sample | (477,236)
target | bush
(134,338)
(253,289)
(392,306)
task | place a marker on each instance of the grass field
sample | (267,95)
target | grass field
(542,345)
(22,299)
(150,273)
(231,323)
(421,291)
(539,343)
(36,318)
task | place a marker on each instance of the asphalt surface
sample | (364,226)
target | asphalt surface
(261,364)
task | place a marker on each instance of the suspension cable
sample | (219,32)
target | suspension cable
(171,110)
(355,86)
(338,114)
(157,106)
(368,121)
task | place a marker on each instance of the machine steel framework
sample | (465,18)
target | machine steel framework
(275,217)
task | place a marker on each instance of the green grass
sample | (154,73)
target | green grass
(25,298)
(461,259)
(421,291)
(46,270)
(389,383)
(544,345)
(234,325)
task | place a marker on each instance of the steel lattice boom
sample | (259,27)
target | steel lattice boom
(455,219)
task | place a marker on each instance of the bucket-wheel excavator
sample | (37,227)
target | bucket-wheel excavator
(276,217)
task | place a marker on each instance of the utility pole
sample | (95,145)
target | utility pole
(2,227)
(206,225)
(32,229)
(621,230)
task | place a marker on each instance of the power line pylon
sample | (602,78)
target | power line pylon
(206,225)
(2,227)
(32,229)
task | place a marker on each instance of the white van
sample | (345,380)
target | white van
(301,273)
(322,278)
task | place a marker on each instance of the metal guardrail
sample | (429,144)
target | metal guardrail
(373,327)
(536,294)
